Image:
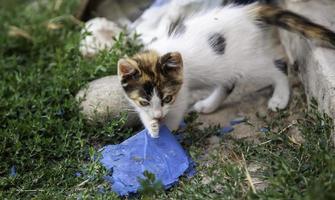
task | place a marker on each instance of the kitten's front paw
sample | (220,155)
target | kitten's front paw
(154,129)
(203,107)
(277,103)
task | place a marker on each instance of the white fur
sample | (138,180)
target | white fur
(154,22)
(171,115)
(212,102)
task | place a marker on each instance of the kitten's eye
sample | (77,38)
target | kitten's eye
(167,99)
(144,103)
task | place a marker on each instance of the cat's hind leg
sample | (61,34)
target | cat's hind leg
(214,100)
(281,93)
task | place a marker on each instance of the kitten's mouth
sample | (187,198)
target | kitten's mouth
(159,119)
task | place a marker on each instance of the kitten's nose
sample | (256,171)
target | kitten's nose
(158,114)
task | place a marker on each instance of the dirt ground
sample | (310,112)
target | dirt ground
(250,102)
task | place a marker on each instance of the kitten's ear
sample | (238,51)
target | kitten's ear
(172,60)
(126,67)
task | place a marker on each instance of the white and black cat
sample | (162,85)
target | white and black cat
(218,48)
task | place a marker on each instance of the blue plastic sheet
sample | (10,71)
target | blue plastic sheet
(238,120)
(161,156)
(13,171)
(226,129)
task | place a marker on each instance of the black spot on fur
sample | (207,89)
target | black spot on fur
(329,35)
(129,87)
(281,65)
(218,43)
(230,89)
(148,88)
(132,77)
(177,28)
(239,2)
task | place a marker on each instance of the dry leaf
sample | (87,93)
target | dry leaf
(54,26)
(18,32)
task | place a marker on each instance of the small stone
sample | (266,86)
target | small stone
(206,180)
(264,130)
(214,141)
(262,112)
(295,136)
(102,32)
(259,183)
(245,131)
(218,188)
(254,167)
(103,99)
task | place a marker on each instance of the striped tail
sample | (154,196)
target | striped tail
(293,22)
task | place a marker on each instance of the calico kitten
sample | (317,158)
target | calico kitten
(152,84)
(219,49)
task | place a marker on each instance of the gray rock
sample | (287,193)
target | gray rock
(316,64)
(103,99)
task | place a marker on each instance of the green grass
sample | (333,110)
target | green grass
(44,136)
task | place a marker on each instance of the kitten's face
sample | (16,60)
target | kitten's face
(152,82)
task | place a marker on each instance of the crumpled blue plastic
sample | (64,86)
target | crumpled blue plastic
(161,156)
